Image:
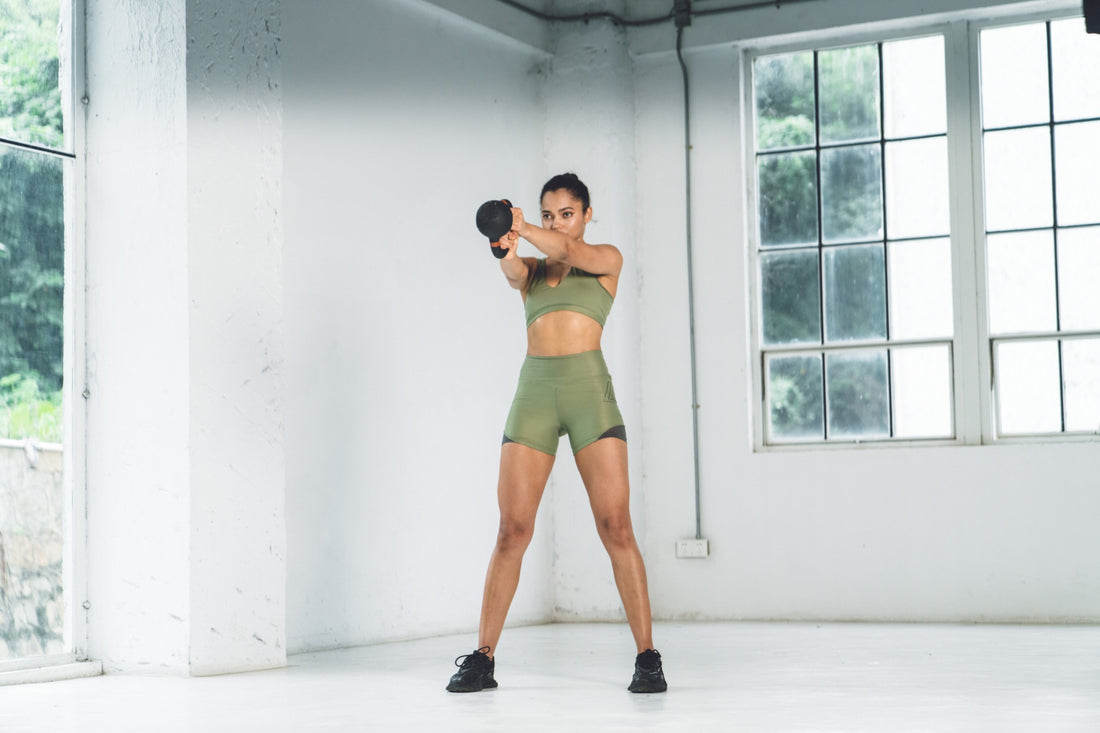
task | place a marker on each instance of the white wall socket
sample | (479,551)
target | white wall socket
(692,548)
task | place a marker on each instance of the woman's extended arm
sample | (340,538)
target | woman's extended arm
(598,259)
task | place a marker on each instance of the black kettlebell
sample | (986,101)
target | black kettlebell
(494,220)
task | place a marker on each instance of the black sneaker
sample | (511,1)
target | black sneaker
(648,675)
(475,672)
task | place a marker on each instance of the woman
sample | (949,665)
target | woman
(564,388)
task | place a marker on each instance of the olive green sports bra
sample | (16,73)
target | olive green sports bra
(578,291)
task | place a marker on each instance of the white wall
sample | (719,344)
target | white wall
(998,533)
(401,119)
(389,537)
(282,239)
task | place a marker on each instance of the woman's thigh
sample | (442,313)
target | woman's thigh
(603,468)
(523,475)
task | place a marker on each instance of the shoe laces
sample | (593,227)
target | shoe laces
(649,660)
(473,659)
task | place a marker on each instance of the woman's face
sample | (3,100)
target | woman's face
(562,212)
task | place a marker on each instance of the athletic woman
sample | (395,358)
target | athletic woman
(564,389)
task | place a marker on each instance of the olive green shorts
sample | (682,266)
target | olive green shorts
(564,395)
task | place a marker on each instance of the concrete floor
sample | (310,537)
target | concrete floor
(572,677)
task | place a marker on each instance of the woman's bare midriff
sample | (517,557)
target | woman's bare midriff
(561,333)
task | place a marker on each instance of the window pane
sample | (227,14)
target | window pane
(32,604)
(789,294)
(1078,275)
(916,188)
(1021,282)
(851,193)
(784,100)
(1076,60)
(858,405)
(1077,170)
(31,524)
(922,392)
(914,86)
(1028,399)
(32,261)
(30,92)
(788,198)
(1014,76)
(920,289)
(1081,368)
(794,398)
(1017,179)
(849,88)
(855,293)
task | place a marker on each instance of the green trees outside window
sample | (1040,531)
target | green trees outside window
(32,226)
(856,237)
(35,166)
(839,134)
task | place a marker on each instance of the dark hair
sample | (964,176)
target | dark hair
(570,183)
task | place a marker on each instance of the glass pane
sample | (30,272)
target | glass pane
(788,198)
(1017,179)
(858,405)
(920,289)
(32,261)
(784,100)
(917,188)
(849,88)
(794,398)
(1076,59)
(922,392)
(1021,282)
(789,293)
(30,90)
(1078,274)
(1077,169)
(855,293)
(32,604)
(1028,393)
(851,193)
(1081,367)
(1014,76)
(914,87)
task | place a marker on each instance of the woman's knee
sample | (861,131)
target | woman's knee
(514,535)
(616,531)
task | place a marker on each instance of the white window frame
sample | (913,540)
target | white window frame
(971,344)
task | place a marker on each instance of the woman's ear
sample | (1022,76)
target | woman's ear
(588,215)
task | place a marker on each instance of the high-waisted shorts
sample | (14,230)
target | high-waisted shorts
(564,395)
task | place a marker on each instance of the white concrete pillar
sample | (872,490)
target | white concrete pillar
(235,246)
(186,520)
(135,240)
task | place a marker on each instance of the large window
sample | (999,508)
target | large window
(36,161)
(866,325)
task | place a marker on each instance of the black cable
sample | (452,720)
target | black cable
(585,17)
(31,147)
(656,20)
(748,6)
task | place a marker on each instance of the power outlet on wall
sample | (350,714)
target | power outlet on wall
(693,548)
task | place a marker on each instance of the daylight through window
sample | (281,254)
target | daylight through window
(36,161)
(856,292)
(853,251)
